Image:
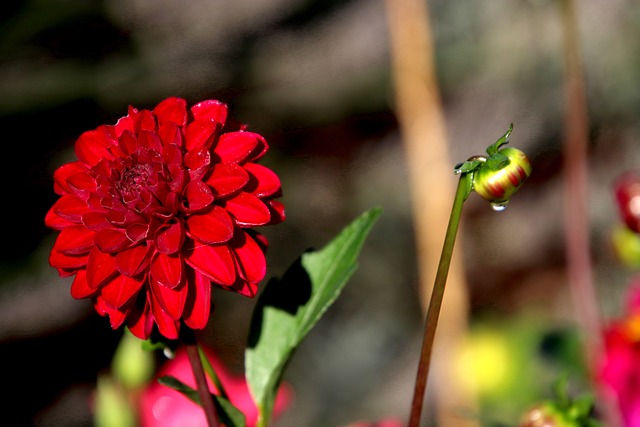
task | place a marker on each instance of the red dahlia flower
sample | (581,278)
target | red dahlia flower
(157,208)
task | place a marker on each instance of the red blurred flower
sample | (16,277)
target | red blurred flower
(627,195)
(388,422)
(161,406)
(620,370)
(157,208)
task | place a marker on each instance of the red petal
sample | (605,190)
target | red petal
(81,182)
(215,262)
(95,221)
(101,267)
(171,110)
(169,240)
(75,241)
(150,140)
(247,210)
(214,226)
(238,146)
(171,300)
(144,120)
(264,182)
(198,195)
(126,123)
(53,220)
(111,240)
(122,216)
(65,263)
(199,134)
(170,134)
(63,173)
(166,270)
(261,240)
(80,287)
(128,142)
(198,160)
(172,155)
(198,305)
(277,212)
(70,207)
(92,146)
(167,326)
(116,316)
(227,178)
(120,290)
(137,232)
(250,257)
(248,289)
(243,287)
(133,261)
(140,323)
(210,110)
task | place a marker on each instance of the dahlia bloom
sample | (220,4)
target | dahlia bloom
(157,208)
(620,370)
(161,406)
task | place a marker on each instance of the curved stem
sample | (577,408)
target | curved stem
(206,401)
(462,192)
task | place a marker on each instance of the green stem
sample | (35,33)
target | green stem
(262,420)
(462,192)
(206,401)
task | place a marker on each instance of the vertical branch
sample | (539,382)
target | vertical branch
(435,304)
(206,401)
(579,266)
(432,183)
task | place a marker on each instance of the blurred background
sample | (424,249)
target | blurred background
(314,77)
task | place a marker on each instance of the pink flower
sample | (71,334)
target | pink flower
(161,406)
(387,422)
(620,370)
(157,208)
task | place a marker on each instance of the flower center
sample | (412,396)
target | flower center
(133,179)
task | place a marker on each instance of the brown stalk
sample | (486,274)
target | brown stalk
(579,265)
(432,185)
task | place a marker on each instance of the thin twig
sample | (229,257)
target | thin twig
(579,266)
(436,301)
(201,380)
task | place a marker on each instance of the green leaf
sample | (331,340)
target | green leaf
(289,307)
(581,407)
(206,365)
(227,413)
(497,161)
(468,166)
(504,139)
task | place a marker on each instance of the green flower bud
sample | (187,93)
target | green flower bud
(497,178)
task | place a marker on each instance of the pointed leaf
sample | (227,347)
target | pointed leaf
(291,306)
(211,373)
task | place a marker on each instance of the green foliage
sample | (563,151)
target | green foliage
(289,308)
(132,365)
